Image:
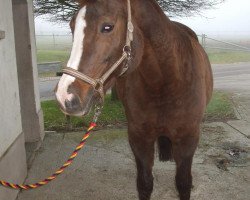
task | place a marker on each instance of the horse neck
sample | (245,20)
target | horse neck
(156,28)
(151,20)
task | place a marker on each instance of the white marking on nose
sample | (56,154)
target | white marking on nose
(62,89)
(75,57)
(77,49)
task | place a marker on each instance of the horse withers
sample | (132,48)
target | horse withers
(162,74)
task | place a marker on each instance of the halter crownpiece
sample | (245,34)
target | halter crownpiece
(97,84)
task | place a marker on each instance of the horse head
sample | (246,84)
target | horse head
(102,33)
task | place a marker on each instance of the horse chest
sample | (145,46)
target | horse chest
(155,111)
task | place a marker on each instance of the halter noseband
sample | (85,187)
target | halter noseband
(98,83)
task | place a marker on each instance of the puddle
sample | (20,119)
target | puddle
(234,156)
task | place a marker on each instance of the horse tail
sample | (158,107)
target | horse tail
(165,149)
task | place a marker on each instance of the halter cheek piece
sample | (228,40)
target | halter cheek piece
(97,84)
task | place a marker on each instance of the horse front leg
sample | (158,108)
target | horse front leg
(183,153)
(143,149)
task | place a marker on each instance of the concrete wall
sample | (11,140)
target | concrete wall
(32,117)
(12,148)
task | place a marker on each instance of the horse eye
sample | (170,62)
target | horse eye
(106,28)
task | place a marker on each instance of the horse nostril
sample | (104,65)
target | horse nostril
(73,104)
(68,104)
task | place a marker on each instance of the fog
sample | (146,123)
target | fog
(228,19)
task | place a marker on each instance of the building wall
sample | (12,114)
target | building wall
(10,118)
(12,150)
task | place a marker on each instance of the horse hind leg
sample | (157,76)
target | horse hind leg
(183,178)
(165,149)
(183,153)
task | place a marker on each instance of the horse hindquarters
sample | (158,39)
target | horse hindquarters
(144,156)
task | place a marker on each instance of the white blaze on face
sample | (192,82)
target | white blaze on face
(75,57)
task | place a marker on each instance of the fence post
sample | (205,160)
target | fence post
(54,41)
(203,41)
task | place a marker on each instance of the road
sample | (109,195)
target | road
(232,77)
(47,86)
(229,77)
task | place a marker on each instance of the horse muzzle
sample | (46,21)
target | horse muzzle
(75,103)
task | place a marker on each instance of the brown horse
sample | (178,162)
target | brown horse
(165,89)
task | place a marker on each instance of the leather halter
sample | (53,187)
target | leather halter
(97,84)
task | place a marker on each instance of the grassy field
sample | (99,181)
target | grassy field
(228,57)
(52,55)
(220,109)
(57,48)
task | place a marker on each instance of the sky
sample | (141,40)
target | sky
(230,18)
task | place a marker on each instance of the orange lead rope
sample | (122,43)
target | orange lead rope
(67,163)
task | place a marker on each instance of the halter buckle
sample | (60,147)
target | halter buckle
(127,49)
(98,87)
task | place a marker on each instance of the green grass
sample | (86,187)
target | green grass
(219,109)
(54,119)
(228,57)
(52,55)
